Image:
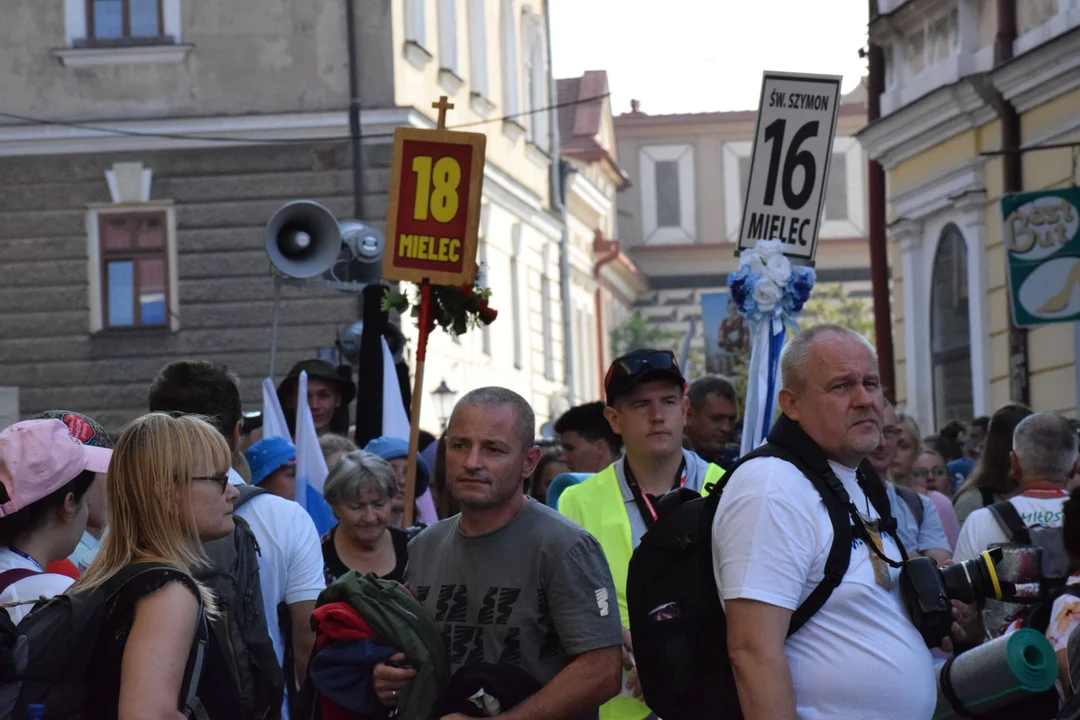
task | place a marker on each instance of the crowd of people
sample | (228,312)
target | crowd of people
(216,588)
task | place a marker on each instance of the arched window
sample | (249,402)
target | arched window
(950,339)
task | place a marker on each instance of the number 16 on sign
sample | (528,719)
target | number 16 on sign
(789,167)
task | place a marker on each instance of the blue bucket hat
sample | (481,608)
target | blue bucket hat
(267,455)
(391,448)
(560,483)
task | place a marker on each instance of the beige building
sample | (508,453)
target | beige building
(680,223)
(939,139)
(142,153)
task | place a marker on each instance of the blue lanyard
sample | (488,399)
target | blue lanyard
(21,554)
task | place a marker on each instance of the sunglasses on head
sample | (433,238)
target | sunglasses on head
(637,364)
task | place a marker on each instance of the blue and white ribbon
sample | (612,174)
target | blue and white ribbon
(769,293)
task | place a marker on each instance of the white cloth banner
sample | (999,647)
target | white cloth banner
(310,465)
(273,424)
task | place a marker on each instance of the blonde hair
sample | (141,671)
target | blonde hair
(149,508)
(332,444)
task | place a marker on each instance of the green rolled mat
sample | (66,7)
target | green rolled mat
(998,673)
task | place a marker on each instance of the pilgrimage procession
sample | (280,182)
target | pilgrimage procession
(372,359)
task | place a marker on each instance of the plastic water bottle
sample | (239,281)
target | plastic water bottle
(35,711)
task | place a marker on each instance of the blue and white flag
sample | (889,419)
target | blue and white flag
(311,469)
(274,424)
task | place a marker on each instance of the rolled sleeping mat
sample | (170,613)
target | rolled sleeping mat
(560,483)
(995,674)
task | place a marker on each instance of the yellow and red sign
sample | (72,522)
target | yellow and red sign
(434,207)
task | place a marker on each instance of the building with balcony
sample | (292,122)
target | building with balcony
(939,140)
(144,147)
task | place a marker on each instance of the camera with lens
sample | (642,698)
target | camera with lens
(927,590)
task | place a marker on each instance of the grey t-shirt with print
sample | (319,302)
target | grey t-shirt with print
(534,593)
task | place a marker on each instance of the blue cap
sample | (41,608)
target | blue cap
(267,455)
(392,448)
(560,483)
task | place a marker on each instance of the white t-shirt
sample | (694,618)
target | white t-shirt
(290,561)
(859,656)
(35,587)
(982,529)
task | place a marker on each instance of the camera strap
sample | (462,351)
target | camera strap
(642,500)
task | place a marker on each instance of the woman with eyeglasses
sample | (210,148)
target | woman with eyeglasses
(168,492)
(930,476)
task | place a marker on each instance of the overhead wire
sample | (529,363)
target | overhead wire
(29,120)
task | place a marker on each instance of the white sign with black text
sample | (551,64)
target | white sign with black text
(793,143)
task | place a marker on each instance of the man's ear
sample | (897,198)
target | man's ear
(789,404)
(612,416)
(234,441)
(70,508)
(686,406)
(1014,467)
(532,457)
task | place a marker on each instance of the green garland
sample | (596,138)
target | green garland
(454,308)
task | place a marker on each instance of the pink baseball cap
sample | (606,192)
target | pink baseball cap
(38,457)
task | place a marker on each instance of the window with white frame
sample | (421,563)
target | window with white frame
(121,23)
(415,23)
(478,58)
(536,81)
(448,43)
(511,61)
(132,273)
(667,194)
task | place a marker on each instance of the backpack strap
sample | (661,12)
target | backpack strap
(1010,521)
(10,577)
(911,497)
(246,493)
(836,564)
(189,703)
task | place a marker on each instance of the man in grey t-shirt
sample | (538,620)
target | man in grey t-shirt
(509,580)
(534,593)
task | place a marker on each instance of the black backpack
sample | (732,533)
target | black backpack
(45,658)
(242,628)
(677,622)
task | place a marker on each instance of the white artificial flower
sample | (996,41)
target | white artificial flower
(766,294)
(778,269)
(769,248)
(754,260)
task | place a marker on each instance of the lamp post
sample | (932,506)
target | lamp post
(444,401)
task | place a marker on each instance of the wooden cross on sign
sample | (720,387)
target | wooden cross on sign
(442,106)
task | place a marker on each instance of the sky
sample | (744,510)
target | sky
(679,56)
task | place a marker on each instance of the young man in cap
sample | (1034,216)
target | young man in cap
(646,405)
(328,395)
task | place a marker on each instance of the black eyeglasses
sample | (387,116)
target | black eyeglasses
(221,480)
(938,472)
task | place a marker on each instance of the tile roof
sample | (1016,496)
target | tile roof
(581,103)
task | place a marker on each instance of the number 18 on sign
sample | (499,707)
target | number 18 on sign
(793,142)
(434,207)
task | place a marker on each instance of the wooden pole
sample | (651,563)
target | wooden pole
(418,393)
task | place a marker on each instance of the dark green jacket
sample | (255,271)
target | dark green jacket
(399,621)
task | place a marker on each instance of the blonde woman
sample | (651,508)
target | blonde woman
(168,492)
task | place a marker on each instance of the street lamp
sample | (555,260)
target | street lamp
(444,401)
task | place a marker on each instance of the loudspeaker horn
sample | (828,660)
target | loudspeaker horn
(360,260)
(303,239)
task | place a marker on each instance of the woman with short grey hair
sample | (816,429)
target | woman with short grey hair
(360,489)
